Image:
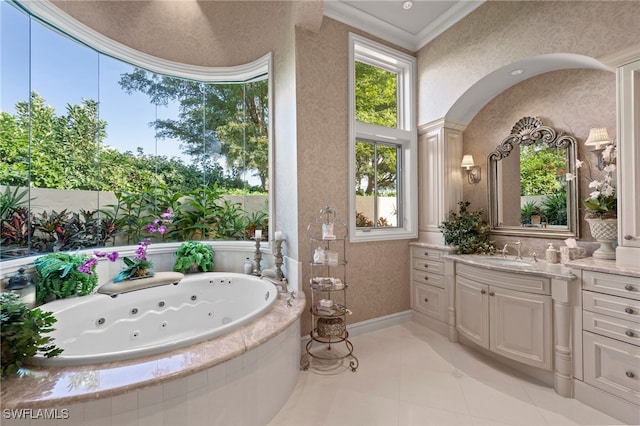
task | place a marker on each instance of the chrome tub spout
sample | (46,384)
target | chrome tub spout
(281,285)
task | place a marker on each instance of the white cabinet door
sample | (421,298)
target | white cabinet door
(521,326)
(472,311)
(629,154)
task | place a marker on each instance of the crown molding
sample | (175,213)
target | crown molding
(355,18)
(445,21)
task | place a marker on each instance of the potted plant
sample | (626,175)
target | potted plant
(194,256)
(21,333)
(59,277)
(467,231)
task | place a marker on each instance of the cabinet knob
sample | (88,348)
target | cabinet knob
(628,237)
(629,333)
(426,300)
(630,374)
(426,253)
(491,293)
(629,287)
(426,278)
(483,291)
(629,310)
(426,265)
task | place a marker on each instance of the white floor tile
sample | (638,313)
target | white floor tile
(410,375)
(419,415)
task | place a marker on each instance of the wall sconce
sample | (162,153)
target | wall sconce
(598,137)
(473,172)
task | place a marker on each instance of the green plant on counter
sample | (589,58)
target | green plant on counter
(467,231)
(192,255)
(21,333)
(59,277)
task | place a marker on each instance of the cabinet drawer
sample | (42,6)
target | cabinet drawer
(612,366)
(619,307)
(616,328)
(618,285)
(512,281)
(428,278)
(425,253)
(428,265)
(430,300)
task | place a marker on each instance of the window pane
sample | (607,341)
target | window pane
(117,145)
(387,186)
(377,191)
(376,95)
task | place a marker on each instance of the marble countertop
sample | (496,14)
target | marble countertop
(527,266)
(606,266)
(46,387)
(441,247)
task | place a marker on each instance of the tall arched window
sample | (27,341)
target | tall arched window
(97,140)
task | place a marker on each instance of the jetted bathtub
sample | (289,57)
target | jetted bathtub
(102,328)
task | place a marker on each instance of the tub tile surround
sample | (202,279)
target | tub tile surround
(164,377)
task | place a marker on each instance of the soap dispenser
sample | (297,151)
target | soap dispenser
(551,254)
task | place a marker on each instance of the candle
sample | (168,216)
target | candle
(277,235)
(258,233)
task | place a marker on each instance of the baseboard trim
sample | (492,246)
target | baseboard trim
(378,323)
(602,401)
(370,325)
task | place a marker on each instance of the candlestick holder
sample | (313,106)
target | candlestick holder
(278,259)
(258,257)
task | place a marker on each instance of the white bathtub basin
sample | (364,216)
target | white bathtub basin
(101,328)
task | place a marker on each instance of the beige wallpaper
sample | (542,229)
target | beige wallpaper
(572,101)
(499,33)
(378,272)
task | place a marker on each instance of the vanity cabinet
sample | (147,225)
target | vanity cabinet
(429,295)
(606,334)
(611,333)
(509,314)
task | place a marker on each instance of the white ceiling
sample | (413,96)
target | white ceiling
(387,19)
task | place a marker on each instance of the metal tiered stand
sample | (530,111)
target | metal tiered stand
(328,285)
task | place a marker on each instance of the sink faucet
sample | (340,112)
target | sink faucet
(281,285)
(518,246)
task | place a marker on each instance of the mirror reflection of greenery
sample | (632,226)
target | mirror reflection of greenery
(542,170)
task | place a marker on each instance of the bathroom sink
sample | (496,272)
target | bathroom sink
(501,261)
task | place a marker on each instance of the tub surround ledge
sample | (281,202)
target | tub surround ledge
(47,387)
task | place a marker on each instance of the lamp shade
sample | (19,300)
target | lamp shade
(597,137)
(467,161)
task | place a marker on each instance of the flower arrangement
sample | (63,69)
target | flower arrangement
(139,266)
(602,202)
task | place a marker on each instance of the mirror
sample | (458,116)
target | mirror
(529,194)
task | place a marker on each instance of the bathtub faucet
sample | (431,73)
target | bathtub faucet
(282,284)
(518,246)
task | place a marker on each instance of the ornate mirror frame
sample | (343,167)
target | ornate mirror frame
(527,131)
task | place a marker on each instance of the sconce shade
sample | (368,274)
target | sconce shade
(467,161)
(597,137)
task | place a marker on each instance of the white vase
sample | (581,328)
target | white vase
(605,231)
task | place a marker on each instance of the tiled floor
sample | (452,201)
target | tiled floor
(410,375)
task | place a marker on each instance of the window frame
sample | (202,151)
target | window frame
(404,135)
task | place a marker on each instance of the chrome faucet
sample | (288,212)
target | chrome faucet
(518,246)
(281,284)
